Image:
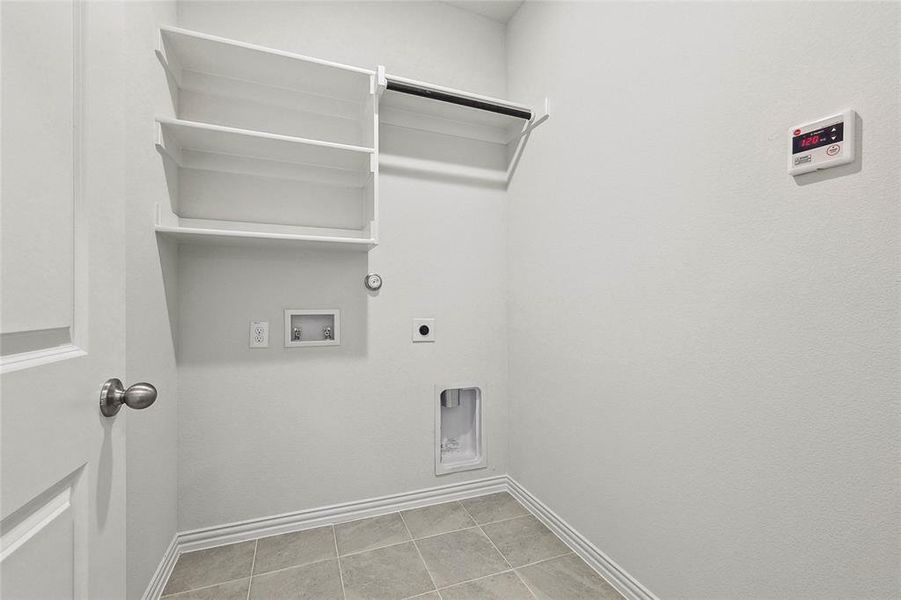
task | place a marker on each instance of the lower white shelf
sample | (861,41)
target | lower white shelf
(202,230)
(442,170)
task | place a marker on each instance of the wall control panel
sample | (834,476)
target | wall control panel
(822,144)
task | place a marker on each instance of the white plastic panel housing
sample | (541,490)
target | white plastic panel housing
(822,144)
(306,328)
(423,330)
(259,334)
(459,444)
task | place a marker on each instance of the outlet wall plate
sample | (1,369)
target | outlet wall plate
(259,334)
(423,330)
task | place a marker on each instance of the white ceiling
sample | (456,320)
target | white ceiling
(499,10)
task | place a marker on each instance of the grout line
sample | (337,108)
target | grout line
(535,562)
(203,587)
(338,555)
(376,548)
(528,513)
(419,538)
(507,519)
(419,552)
(496,549)
(527,586)
(562,541)
(468,512)
(510,570)
(270,534)
(422,595)
(425,537)
(256,544)
(477,578)
(309,564)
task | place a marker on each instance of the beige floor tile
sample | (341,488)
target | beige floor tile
(506,586)
(233,590)
(207,567)
(367,534)
(385,574)
(493,507)
(567,578)
(440,518)
(318,581)
(294,549)
(525,540)
(455,557)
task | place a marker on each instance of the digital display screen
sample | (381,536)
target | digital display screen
(821,137)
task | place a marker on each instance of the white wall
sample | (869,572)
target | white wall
(152,464)
(263,432)
(704,351)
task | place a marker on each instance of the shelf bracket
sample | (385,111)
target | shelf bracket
(167,147)
(170,64)
(523,137)
(381,80)
(529,126)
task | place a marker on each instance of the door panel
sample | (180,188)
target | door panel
(43,533)
(38,147)
(62,464)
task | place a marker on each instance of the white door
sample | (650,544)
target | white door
(62,464)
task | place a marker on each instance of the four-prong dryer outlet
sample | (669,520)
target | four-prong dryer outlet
(423,330)
(458,429)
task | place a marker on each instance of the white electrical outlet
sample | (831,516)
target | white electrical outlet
(259,334)
(423,330)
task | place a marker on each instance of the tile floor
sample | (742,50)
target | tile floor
(485,548)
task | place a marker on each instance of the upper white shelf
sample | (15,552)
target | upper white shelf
(185,52)
(218,148)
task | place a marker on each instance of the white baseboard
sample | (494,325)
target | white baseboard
(164,569)
(615,575)
(220,535)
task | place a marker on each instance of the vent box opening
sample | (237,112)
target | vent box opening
(458,429)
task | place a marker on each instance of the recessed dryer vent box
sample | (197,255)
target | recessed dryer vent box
(312,327)
(458,429)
